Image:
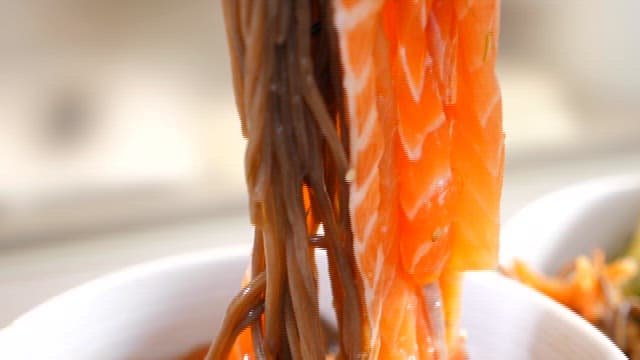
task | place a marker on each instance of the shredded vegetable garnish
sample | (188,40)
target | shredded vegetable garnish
(606,294)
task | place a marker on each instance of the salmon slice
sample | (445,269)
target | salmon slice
(477,150)
(424,164)
(375,135)
(427,156)
(373,217)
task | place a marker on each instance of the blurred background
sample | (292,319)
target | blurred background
(120,143)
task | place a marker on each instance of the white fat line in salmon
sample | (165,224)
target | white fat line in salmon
(360,192)
(348,19)
(439,184)
(415,154)
(416,88)
(356,84)
(366,135)
(484,118)
(432,302)
(426,246)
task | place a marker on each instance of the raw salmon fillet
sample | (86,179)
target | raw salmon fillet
(424,112)
(426,154)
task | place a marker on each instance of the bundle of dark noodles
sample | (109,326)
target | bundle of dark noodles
(287,87)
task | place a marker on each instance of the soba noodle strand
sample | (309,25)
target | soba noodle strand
(291,111)
(237,311)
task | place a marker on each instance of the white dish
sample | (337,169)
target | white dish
(553,230)
(166,308)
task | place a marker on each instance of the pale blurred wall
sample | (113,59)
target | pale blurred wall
(571,77)
(114,111)
(124,105)
(591,43)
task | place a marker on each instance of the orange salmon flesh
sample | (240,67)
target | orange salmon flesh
(426,156)
(424,112)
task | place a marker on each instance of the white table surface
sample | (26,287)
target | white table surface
(30,275)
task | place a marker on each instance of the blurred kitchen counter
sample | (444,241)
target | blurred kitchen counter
(33,273)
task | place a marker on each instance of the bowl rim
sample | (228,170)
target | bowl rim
(126,274)
(598,186)
(564,201)
(109,281)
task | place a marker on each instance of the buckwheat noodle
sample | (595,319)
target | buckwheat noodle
(286,76)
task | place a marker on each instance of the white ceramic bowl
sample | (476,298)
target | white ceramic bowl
(166,308)
(553,230)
